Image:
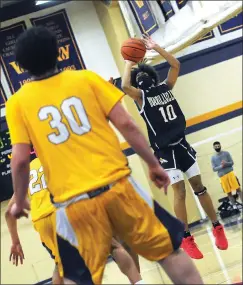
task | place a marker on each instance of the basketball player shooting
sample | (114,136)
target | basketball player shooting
(65,115)
(166,126)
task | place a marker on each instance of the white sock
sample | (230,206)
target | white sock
(140,282)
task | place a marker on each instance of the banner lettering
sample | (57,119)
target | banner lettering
(144,17)
(69,55)
(15,76)
(181,3)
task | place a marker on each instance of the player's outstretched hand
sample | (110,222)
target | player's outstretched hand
(149,42)
(159,176)
(16,254)
(19,211)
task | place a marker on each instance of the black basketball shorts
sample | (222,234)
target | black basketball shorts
(179,156)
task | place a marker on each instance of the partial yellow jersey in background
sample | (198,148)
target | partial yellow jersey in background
(40,203)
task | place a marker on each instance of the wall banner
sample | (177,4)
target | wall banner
(166,9)
(181,3)
(231,25)
(144,16)
(69,54)
(208,36)
(3,97)
(15,76)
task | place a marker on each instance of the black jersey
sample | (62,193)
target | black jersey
(163,116)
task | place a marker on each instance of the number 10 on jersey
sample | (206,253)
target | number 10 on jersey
(168,113)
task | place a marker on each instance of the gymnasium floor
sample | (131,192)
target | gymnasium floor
(217,267)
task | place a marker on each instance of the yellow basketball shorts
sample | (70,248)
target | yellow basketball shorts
(229,182)
(46,231)
(85,229)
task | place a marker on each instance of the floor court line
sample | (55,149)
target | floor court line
(202,213)
(211,237)
(210,139)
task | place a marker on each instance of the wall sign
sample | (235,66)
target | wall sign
(231,25)
(208,36)
(3,97)
(181,3)
(144,16)
(15,76)
(69,54)
(166,8)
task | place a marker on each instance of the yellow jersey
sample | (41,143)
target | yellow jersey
(40,202)
(65,117)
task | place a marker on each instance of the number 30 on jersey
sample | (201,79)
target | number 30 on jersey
(73,111)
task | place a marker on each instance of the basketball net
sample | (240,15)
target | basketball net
(187,25)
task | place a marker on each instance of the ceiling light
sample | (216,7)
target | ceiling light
(41,2)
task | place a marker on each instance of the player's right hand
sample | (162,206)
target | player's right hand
(16,254)
(159,176)
(19,211)
(129,62)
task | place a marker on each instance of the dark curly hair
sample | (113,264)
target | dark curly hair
(36,50)
(150,70)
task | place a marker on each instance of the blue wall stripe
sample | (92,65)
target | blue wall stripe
(214,121)
(204,58)
(201,126)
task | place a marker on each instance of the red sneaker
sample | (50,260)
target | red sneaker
(190,247)
(220,239)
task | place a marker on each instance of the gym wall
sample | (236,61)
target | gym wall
(89,35)
(198,92)
(209,91)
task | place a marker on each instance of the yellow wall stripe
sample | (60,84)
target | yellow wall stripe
(214,114)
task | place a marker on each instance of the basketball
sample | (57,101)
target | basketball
(133,50)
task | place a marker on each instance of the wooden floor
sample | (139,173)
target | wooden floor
(217,267)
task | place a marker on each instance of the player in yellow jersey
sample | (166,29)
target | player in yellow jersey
(66,115)
(42,214)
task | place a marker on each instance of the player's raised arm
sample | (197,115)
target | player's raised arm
(131,91)
(16,252)
(173,62)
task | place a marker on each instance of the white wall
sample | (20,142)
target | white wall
(89,35)
(210,88)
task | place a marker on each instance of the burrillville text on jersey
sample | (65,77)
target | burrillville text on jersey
(161,99)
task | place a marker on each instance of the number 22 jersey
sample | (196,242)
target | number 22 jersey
(40,202)
(163,116)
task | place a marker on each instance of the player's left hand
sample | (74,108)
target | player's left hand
(149,42)
(19,211)
(16,254)
(111,80)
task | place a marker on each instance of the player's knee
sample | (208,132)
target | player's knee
(200,191)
